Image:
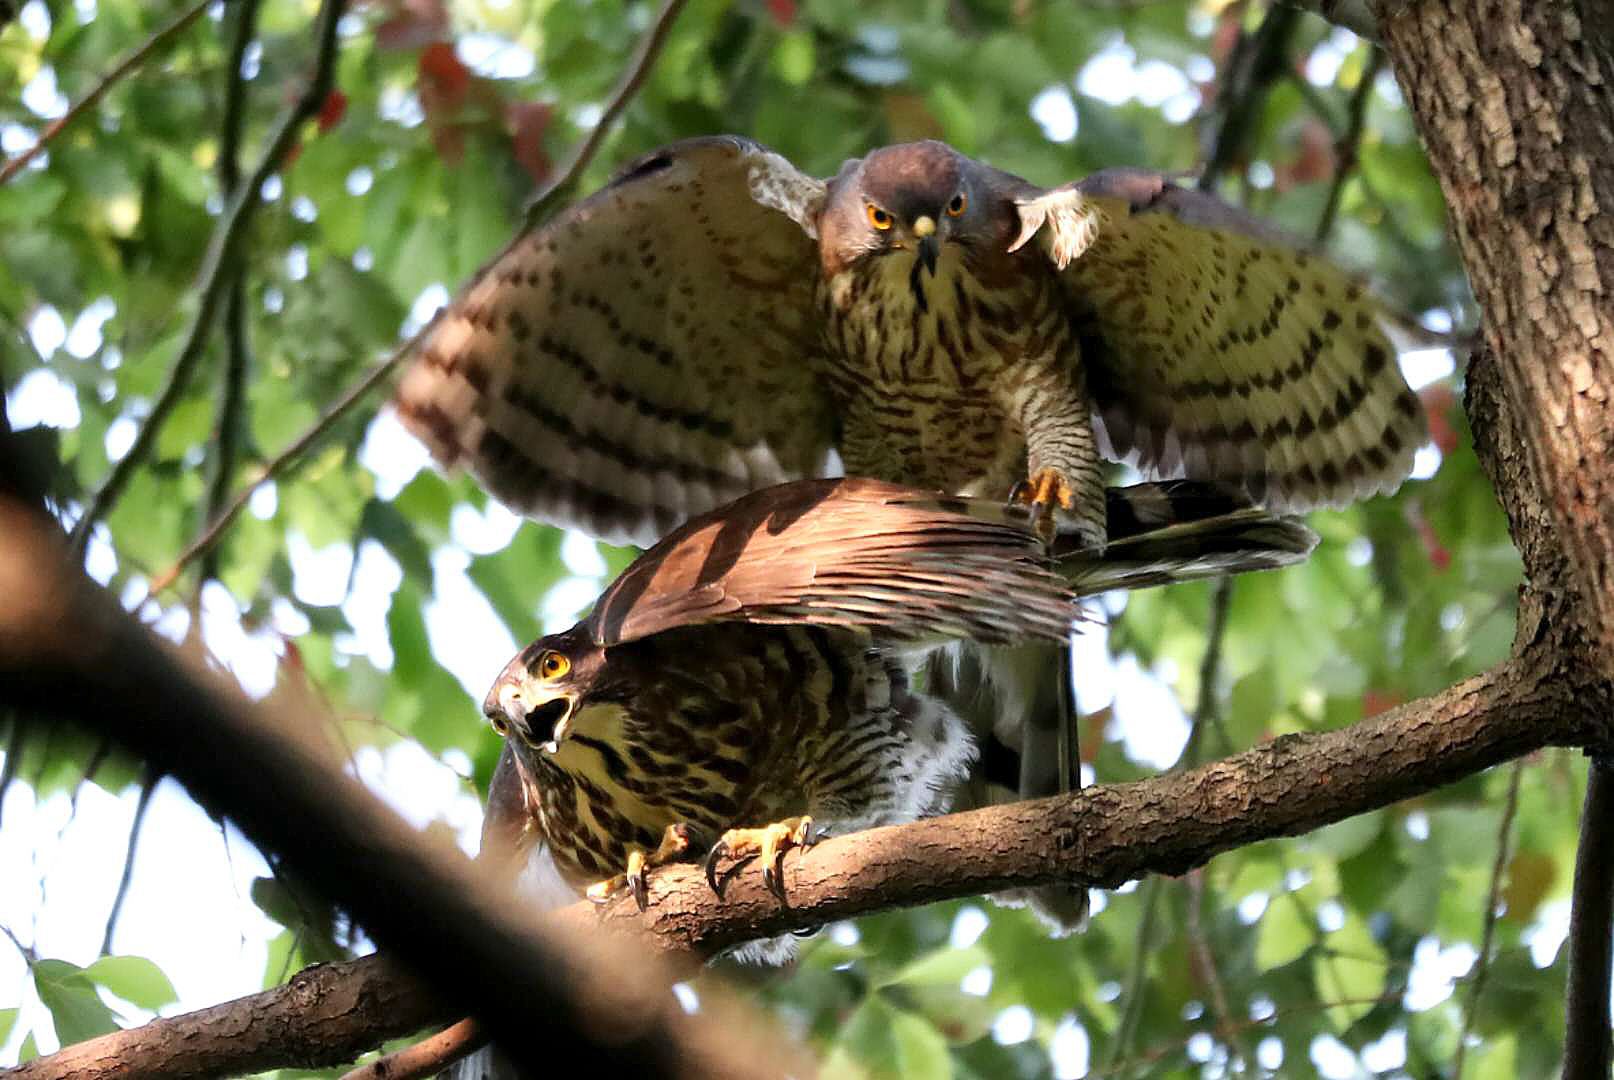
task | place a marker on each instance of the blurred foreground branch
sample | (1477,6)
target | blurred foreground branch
(68,653)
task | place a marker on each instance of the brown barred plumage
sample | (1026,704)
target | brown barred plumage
(714,321)
(754,665)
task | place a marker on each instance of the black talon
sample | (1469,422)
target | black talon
(641,890)
(719,849)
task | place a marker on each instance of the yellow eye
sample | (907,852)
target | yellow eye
(956,207)
(501,726)
(879,218)
(553,665)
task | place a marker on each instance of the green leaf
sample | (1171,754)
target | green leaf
(1350,972)
(75,1008)
(921,1049)
(8,1020)
(1345,838)
(942,967)
(793,57)
(134,979)
(1284,935)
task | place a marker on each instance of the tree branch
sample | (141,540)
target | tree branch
(1513,106)
(561,184)
(1354,15)
(228,429)
(147,787)
(124,67)
(427,1057)
(1257,60)
(1588,1047)
(1493,899)
(213,279)
(1347,145)
(1166,825)
(1108,834)
(323,1016)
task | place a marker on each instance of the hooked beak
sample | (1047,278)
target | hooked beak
(929,247)
(541,726)
(925,229)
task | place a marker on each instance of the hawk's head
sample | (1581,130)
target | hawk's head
(921,198)
(538,696)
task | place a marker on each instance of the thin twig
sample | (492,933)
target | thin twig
(29,957)
(108,81)
(1588,1048)
(565,178)
(212,279)
(639,67)
(1226,1027)
(280,464)
(1257,60)
(1149,896)
(147,786)
(1348,143)
(1207,709)
(1493,900)
(1160,1051)
(427,1057)
(238,356)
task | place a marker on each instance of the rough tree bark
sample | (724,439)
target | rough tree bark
(1514,100)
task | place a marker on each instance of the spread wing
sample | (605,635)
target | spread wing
(645,356)
(1214,349)
(846,552)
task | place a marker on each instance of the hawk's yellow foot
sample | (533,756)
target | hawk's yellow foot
(769,843)
(676,843)
(1048,491)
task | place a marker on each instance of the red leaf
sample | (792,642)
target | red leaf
(1438,402)
(1315,161)
(1439,556)
(331,110)
(527,125)
(443,74)
(783,11)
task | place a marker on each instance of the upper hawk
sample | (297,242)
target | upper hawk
(715,321)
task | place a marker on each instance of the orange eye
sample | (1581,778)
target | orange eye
(553,665)
(879,218)
(956,207)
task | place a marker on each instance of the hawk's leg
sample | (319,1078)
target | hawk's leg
(769,843)
(1064,485)
(676,844)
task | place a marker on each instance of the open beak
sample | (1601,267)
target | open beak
(541,726)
